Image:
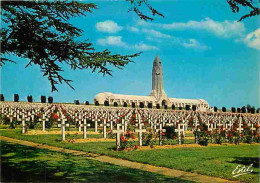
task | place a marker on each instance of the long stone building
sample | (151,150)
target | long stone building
(157,96)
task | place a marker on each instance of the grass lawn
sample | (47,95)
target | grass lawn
(213,161)
(26,164)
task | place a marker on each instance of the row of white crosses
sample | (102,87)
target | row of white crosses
(104,116)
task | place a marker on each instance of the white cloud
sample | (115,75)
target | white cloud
(177,41)
(132,29)
(144,47)
(253,39)
(193,43)
(108,26)
(155,33)
(223,29)
(112,40)
(117,41)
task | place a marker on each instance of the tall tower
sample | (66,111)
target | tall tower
(157,82)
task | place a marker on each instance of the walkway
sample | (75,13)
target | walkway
(121,162)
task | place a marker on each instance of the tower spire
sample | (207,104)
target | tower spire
(157,79)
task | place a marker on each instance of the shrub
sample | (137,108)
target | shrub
(106,103)
(30,98)
(16,98)
(194,107)
(253,110)
(13,124)
(257,110)
(77,102)
(180,108)
(243,109)
(141,105)
(233,109)
(238,110)
(87,103)
(224,109)
(2,98)
(170,134)
(96,103)
(133,105)
(157,106)
(215,109)
(201,136)
(173,107)
(187,107)
(165,107)
(43,99)
(115,104)
(125,104)
(248,108)
(50,100)
(150,105)
(149,138)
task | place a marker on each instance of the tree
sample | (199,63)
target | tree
(173,107)
(224,109)
(16,98)
(215,109)
(236,4)
(77,102)
(50,100)
(87,103)
(96,103)
(194,107)
(233,109)
(106,103)
(243,109)
(30,98)
(157,106)
(133,105)
(115,104)
(248,108)
(165,106)
(40,32)
(180,108)
(253,110)
(2,98)
(257,110)
(125,104)
(187,107)
(43,99)
(150,105)
(141,105)
(239,110)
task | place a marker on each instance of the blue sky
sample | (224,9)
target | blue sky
(205,54)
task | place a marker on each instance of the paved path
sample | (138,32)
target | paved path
(120,162)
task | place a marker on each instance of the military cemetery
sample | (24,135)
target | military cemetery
(129,91)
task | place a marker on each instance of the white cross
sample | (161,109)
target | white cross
(240,128)
(252,128)
(85,125)
(179,130)
(118,133)
(62,126)
(160,130)
(140,131)
(43,121)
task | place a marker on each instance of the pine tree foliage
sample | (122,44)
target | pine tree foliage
(235,4)
(40,32)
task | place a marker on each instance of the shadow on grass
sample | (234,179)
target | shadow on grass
(25,164)
(247,161)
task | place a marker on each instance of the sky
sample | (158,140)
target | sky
(205,53)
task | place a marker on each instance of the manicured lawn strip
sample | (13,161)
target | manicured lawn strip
(213,161)
(27,164)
